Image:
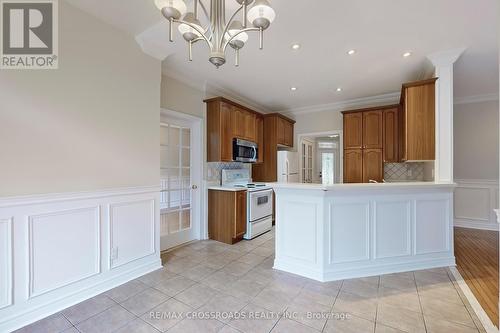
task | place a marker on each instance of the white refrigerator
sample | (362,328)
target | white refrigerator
(288,167)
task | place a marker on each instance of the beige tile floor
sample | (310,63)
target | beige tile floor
(237,290)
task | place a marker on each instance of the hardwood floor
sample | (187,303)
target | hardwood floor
(476,253)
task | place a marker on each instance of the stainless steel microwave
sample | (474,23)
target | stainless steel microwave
(245,151)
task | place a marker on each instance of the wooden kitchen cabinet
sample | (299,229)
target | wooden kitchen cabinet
(278,130)
(391,135)
(353,166)
(227,215)
(285,132)
(373,166)
(259,124)
(353,130)
(219,132)
(418,125)
(373,129)
(227,120)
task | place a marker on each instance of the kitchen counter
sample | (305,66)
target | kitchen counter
(354,230)
(226,188)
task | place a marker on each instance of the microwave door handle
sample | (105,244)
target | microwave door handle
(254,153)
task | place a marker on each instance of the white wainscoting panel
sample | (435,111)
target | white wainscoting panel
(55,249)
(392,229)
(299,237)
(132,226)
(475,201)
(64,247)
(432,226)
(6,262)
(349,231)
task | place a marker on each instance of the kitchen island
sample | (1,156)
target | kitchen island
(344,231)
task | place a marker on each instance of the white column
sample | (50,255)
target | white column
(443,62)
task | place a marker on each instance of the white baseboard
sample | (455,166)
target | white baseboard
(481,314)
(474,224)
(59,249)
(29,316)
(364,270)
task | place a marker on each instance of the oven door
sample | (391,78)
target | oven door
(244,151)
(260,204)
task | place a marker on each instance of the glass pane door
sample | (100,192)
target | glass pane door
(175,182)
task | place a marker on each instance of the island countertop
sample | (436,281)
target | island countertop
(360,186)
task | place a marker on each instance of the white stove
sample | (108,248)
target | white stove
(259,201)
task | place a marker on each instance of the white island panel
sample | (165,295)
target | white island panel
(338,232)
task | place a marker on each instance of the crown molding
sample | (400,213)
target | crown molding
(379,100)
(476,99)
(215,90)
(447,57)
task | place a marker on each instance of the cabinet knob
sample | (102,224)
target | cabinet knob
(194,187)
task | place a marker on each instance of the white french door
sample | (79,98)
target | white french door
(179,181)
(306,160)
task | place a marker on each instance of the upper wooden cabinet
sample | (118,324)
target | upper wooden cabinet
(227,120)
(259,124)
(278,130)
(418,123)
(391,135)
(353,130)
(372,129)
(285,131)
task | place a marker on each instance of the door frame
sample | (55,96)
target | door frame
(196,161)
(340,133)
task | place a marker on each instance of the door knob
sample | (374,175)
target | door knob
(194,187)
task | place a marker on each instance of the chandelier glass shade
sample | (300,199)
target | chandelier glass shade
(218,34)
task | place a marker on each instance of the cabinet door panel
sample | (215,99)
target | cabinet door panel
(281,123)
(353,130)
(391,133)
(260,138)
(250,132)
(226,140)
(372,165)
(288,134)
(238,127)
(353,166)
(240,227)
(372,129)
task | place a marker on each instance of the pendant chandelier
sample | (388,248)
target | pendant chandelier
(218,34)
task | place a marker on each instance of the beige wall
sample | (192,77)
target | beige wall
(180,97)
(92,124)
(476,141)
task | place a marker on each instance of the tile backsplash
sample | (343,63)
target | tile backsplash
(404,171)
(214,169)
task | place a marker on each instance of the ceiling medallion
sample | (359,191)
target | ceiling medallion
(218,34)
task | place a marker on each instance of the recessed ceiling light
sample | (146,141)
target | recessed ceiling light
(293,88)
(339,89)
(295,46)
(351,52)
(406,54)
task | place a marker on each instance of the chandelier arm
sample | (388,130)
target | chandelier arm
(204,9)
(200,31)
(228,24)
(236,34)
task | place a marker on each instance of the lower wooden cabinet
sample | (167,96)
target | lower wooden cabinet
(227,215)
(373,167)
(353,166)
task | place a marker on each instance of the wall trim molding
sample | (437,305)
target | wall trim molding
(9,256)
(467,219)
(377,100)
(57,197)
(476,99)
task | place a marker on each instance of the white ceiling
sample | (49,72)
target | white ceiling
(380,31)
